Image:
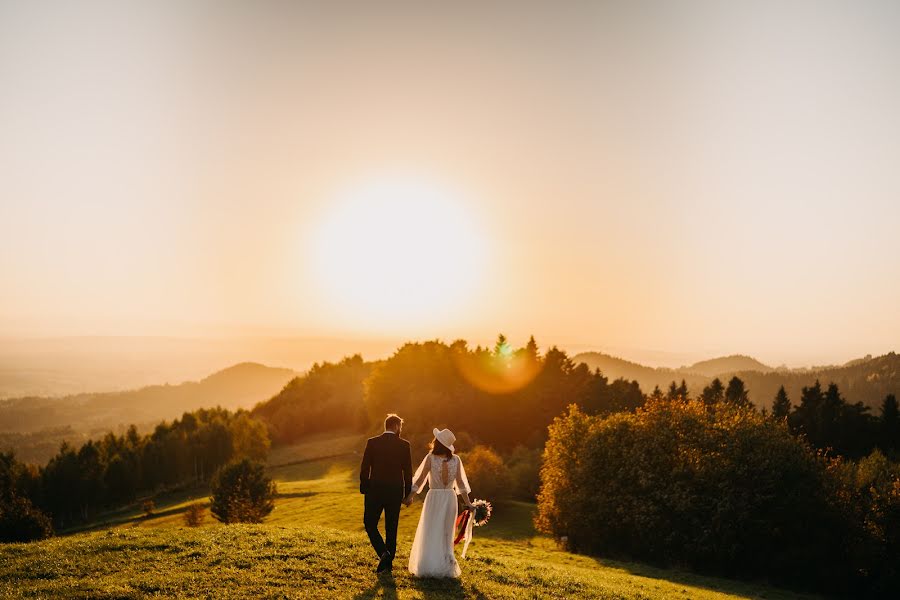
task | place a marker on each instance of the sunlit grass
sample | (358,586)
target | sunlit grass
(313,546)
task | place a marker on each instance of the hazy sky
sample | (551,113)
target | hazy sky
(681,176)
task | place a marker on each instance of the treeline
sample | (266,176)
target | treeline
(502,396)
(829,422)
(116,469)
(720,488)
(823,416)
(867,380)
(492,395)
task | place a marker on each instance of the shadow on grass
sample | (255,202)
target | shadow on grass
(132,513)
(315,468)
(747,588)
(385,586)
(432,587)
(126,520)
(297,494)
(383,583)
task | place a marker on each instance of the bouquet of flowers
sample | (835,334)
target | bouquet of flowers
(482,513)
(478,515)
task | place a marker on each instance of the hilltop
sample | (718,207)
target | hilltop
(726,364)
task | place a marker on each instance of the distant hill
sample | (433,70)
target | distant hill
(867,380)
(239,386)
(726,364)
(616,368)
(65,366)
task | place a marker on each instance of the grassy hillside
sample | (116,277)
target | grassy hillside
(313,546)
(265,561)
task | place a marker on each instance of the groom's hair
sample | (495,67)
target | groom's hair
(392,421)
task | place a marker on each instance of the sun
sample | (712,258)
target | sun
(398,251)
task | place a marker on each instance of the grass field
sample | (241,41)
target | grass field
(313,546)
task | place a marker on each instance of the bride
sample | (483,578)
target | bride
(432,550)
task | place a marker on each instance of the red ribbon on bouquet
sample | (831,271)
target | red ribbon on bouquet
(461,521)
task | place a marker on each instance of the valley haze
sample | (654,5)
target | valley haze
(63,365)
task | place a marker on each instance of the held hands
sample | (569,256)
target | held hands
(408,500)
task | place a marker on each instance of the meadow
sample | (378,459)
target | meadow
(313,546)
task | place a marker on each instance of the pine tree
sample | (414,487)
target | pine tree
(714,393)
(781,407)
(683,390)
(501,347)
(656,394)
(737,393)
(672,394)
(806,418)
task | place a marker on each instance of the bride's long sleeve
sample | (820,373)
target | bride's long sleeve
(421,475)
(461,485)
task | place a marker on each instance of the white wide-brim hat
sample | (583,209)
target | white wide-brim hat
(446,437)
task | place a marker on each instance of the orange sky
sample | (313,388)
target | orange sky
(701,178)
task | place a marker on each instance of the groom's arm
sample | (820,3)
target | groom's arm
(365,469)
(407,471)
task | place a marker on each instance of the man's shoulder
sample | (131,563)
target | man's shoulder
(372,439)
(404,442)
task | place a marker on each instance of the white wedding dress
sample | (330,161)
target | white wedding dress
(432,550)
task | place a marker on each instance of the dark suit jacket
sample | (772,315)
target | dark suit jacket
(386,461)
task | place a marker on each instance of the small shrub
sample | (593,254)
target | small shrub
(148,507)
(22,522)
(242,493)
(194,514)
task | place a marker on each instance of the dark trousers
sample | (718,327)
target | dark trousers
(386,498)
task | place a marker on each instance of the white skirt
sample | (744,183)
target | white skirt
(432,550)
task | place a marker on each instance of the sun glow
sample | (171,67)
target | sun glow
(399,250)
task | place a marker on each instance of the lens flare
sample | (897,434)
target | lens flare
(502,372)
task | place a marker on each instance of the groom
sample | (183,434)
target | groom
(385,477)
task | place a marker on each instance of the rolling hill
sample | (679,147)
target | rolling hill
(726,364)
(239,386)
(648,377)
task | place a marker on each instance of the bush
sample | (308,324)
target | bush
(869,491)
(194,514)
(148,507)
(488,475)
(242,493)
(719,489)
(22,522)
